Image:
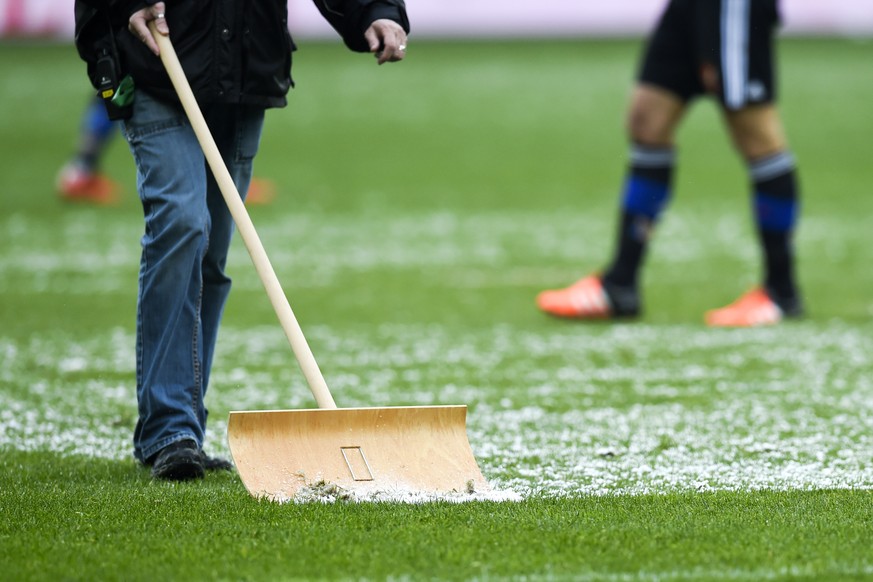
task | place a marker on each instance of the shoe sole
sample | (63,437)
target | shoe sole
(181,472)
(181,469)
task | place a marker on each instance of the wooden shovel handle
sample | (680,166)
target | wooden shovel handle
(244,223)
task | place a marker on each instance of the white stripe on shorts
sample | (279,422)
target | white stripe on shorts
(734,51)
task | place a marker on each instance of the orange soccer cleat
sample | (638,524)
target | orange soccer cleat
(260,192)
(584,299)
(75,184)
(754,308)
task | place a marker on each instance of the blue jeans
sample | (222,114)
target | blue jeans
(182,283)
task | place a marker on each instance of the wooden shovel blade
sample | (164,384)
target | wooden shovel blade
(367,450)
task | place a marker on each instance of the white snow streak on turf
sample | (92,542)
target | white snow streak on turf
(323,247)
(580,410)
(329,493)
(547,415)
(811,572)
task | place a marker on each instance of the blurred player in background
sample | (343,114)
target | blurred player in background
(723,49)
(80,179)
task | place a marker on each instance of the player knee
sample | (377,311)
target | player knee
(653,117)
(757,132)
(649,129)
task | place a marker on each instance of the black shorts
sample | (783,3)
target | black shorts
(718,47)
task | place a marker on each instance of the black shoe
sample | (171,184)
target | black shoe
(215,463)
(624,300)
(791,305)
(180,461)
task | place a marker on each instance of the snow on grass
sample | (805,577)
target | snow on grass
(572,410)
(90,257)
(553,409)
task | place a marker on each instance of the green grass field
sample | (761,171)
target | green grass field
(421,207)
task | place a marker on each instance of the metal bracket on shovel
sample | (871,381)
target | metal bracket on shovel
(414,449)
(355,457)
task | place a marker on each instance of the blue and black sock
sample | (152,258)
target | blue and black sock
(647,191)
(775,194)
(96,131)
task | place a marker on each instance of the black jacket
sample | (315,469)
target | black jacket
(233,51)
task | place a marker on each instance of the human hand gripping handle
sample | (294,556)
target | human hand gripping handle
(241,217)
(140,23)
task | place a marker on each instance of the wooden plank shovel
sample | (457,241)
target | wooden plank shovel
(416,449)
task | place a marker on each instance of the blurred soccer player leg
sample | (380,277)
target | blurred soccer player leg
(652,120)
(759,137)
(80,180)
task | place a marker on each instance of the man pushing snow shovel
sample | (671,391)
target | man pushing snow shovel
(237,56)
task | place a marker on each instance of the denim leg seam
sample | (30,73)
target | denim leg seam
(140,377)
(200,389)
(198,322)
